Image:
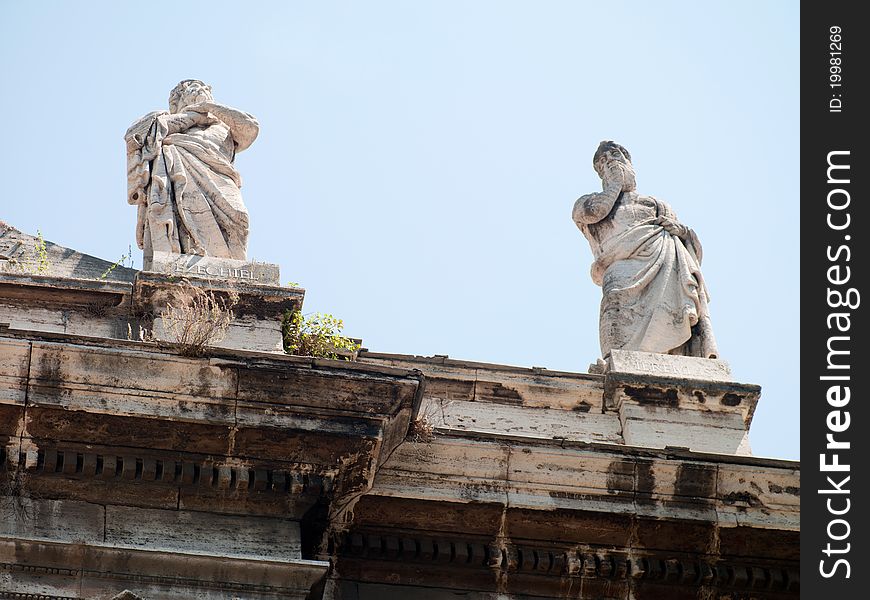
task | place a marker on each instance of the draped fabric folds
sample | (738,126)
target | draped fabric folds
(654,296)
(180,173)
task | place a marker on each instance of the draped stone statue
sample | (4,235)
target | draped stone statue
(181,176)
(647,263)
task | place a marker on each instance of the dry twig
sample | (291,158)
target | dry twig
(197,319)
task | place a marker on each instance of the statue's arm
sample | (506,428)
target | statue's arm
(243,126)
(668,220)
(181,122)
(591,208)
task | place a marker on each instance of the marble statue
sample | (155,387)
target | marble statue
(181,176)
(647,263)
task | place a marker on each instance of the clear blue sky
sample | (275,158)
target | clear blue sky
(418,161)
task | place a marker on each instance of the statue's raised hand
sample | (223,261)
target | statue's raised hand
(614,177)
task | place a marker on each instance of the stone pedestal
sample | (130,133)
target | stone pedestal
(208,267)
(679,401)
(258,309)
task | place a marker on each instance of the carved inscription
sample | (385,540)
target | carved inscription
(648,363)
(213,268)
(215,271)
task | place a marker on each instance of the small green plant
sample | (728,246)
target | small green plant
(42,262)
(317,335)
(39,264)
(121,262)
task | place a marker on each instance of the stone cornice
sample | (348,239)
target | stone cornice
(168,480)
(261,432)
(549,474)
(669,453)
(583,561)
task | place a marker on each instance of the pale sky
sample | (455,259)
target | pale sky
(418,161)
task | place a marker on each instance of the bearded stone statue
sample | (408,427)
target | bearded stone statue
(647,263)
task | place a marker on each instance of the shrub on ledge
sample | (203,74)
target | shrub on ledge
(317,335)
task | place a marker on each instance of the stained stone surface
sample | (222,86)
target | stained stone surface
(207,267)
(679,401)
(644,400)
(155,529)
(647,263)
(257,313)
(180,175)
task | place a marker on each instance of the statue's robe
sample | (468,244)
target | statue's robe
(180,172)
(654,296)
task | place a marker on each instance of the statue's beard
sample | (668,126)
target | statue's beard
(630,179)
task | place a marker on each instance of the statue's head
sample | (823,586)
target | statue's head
(188,92)
(611,157)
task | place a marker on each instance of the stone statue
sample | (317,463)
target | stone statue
(647,263)
(180,174)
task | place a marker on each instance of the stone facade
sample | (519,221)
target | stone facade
(132,470)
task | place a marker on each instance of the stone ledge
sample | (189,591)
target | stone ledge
(680,401)
(643,400)
(539,475)
(453,380)
(99,572)
(578,424)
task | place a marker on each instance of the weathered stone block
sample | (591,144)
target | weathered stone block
(649,363)
(658,427)
(14,365)
(202,533)
(211,268)
(50,520)
(679,401)
(547,423)
(257,308)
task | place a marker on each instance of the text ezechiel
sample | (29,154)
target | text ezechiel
(214,271)
(841,300)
